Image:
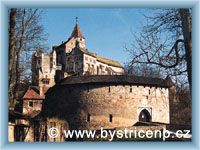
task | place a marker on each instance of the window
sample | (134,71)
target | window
(93,70)
(71,66)
(110,118)
(45,80)
(149,91)
(97,70)
(30,104)
(131,89)
(80,65)
(109,89)
(76,66)
(88,118)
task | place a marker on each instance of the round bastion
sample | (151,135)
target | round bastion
(94,102)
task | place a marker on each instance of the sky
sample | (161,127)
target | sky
(106,30)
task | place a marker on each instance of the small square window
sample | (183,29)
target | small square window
(30,104)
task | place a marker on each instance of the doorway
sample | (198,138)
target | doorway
(144,116)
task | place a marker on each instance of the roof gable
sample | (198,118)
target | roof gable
(33,92)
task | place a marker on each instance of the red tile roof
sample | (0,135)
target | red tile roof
(33,92)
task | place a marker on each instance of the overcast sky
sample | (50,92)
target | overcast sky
(106,30)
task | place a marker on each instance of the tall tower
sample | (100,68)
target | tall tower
(75,37)
(65,49)
(78,36)
(43,69)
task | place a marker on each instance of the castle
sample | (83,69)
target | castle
(70,58)
(77,89)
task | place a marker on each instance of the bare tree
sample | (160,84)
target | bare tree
(29,36)
(12,53)
(145,70)
(165,43)
(187,32)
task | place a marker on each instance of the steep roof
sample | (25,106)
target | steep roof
(115,79)
(76,32)
(33,92)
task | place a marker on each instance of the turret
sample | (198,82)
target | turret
(43,69)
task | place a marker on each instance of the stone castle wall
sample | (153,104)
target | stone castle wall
(92,106)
